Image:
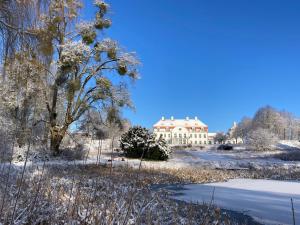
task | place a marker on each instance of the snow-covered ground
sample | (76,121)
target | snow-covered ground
(267,201)
(239,158)
(230,159)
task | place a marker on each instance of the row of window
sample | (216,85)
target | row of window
(195,142)
(184,135)
(193,129)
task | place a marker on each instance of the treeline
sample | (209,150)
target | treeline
(266,128)
(284,125)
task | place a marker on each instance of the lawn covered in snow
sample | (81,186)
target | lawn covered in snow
(267,201)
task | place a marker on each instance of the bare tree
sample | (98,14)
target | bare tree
(243,128)
(220,138)
(261,139)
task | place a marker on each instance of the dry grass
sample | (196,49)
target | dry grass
(91,194)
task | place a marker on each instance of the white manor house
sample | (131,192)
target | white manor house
(183,131)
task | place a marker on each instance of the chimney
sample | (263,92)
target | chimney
(187,118)
(163,118)
(172,117)
(196,118)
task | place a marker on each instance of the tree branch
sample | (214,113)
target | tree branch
(11,27)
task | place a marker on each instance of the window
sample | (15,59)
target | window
(205,142)
(184,135)
(199,135)
(195,135)
(195,142)
(161,135)
(204,135)
(200,142)
(169,135)
(191,135)
(175,135)
(165,135)
(180,135)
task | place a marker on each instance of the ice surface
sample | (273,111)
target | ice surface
(267,201)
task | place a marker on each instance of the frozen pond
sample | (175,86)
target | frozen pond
(267,201)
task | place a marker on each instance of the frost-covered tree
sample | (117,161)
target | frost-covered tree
(21,68)
(83,62)
(68,69)
(268,118)
(83,66)
(261,139)
(243,128)
(220,138)
(281,123)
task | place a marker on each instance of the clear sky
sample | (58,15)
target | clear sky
(219,60)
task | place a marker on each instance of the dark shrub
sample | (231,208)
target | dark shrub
(289,156)
(225,147)
(77,153)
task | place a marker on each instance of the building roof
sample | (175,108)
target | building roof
(179,122)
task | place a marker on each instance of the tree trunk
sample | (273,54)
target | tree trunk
(56,137)
(55,141)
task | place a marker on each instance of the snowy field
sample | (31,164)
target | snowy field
(229,159)
(239,158)
(267,201)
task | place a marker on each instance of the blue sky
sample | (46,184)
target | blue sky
(215,59)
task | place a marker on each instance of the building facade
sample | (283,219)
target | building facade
(182,131)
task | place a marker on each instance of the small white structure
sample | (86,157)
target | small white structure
(231,137)
(182,131)
(211,138)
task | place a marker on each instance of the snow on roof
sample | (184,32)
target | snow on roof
(180,122)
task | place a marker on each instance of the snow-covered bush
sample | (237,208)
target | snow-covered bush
(135,141)
(261,139)
(158,149)
(138,142)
